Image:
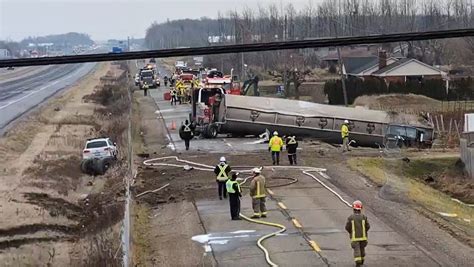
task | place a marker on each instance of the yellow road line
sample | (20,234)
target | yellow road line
(282,205)
(315,246)
(270,192)
(296,223)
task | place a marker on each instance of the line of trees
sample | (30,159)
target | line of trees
(59,40)
(329,18)
(71,39)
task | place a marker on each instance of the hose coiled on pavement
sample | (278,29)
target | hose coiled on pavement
(248,169)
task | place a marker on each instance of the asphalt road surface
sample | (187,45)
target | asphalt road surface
(21,94)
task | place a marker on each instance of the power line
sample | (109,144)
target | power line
(239,48)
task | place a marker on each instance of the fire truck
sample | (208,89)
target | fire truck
(206,98)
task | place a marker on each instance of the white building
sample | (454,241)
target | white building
(4,53)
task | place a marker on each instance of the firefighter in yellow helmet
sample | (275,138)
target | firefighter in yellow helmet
(275,145)
(257,192)
(357,226)
(345,136)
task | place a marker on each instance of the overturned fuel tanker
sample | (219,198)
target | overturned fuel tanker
(246,115)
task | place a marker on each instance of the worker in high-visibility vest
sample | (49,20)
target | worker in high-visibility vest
(173,95)
(357,226)
(258,194)
(145,88)
(275,145)
(180,87)
(291,146)
(233,189)
(222,171)
(186,133)
(345,136)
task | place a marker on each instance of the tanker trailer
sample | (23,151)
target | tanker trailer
(246,115)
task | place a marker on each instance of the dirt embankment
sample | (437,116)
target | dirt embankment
(52,213)
(394,101)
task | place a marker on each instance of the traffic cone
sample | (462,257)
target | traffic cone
(173,125)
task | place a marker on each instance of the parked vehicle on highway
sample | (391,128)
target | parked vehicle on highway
(98,155)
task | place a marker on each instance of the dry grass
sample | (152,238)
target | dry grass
(394,100)
(140,234)
(411,178)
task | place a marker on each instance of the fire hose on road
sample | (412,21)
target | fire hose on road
(189,165)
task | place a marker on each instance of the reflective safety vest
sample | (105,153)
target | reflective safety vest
(173,92)
(344,131)
(292,140)
(187,127)
(230,186)
(354,237)
(257,187)
(275,143)
(222,176)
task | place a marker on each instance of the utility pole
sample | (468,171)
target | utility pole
(341,64)
(285,78)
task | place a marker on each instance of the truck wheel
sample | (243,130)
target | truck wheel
(212,131)
(100,166)
(87,167)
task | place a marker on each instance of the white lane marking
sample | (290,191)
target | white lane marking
(34,92)
(165,111)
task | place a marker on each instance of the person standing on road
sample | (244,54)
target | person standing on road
(173,96)
(145,89)
(165,79)
(357,226)
(275,145)
(186,133)
(233,188)
(257,192)
(291,146)
(345,136)
(222,171)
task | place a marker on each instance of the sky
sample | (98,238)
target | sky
(108,19)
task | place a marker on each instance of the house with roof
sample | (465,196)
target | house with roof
(364,66)
(391,69)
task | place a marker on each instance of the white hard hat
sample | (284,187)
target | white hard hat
(275,133)
(256,170)
(222,159)
(346,121)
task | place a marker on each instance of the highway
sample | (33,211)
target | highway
(21,91)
